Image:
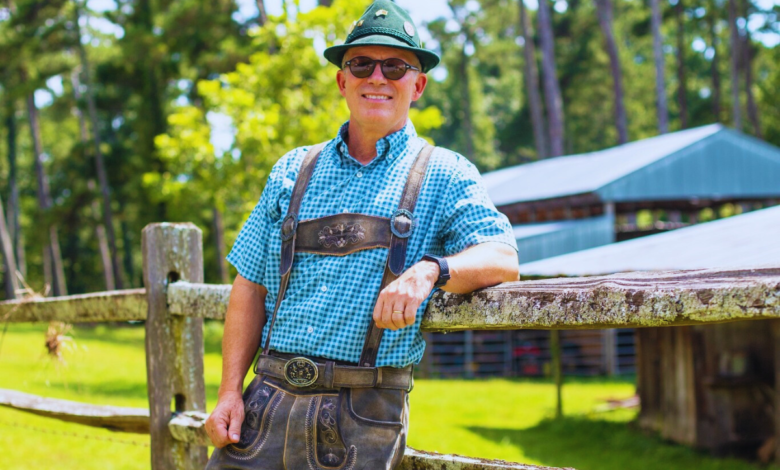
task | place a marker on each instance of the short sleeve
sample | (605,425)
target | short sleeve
(470,218)
(249,254)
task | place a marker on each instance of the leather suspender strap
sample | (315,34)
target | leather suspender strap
(289,229)
(402,226)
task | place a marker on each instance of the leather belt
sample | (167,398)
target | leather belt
(303,372)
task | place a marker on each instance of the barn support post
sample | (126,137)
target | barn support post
(174,344)
(468,353)
(776,343)
(557,371)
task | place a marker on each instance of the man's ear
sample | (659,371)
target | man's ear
(419,86)
(341,79)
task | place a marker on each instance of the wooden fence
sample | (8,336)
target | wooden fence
(175,302)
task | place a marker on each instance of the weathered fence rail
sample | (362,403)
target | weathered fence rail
(175,302)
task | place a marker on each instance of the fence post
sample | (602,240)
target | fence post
(174,344)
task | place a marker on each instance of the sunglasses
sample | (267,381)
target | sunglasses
(392,69)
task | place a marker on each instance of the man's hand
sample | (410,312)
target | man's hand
(224,424)
(397,304)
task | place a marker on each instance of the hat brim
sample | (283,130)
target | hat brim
(335,54)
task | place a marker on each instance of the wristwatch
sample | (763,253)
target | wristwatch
(444,269)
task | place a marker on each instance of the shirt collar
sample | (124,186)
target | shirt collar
(391,146)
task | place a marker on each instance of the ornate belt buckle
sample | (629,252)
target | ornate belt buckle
(300,372)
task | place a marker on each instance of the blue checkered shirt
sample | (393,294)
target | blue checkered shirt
(330,299)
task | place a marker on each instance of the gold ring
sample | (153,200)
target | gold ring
(398,312)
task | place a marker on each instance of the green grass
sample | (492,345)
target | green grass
(504,419)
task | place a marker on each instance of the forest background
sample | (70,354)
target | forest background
(118,113)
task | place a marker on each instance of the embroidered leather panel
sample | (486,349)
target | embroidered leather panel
(342,234)
(328,449)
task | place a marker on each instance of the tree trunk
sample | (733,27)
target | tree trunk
(325,3)
(105,255)
(105,190)
(735,41)
(9,261)
(660,81)
(219,244)
(13,191)
(52,259)
(747,57)
(681,80)
(465,99)
(604,9)
(262,17)
(552,90)
(716,88)
(531,80)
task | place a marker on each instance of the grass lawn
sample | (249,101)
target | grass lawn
(504,419)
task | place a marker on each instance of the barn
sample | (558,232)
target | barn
(713,386)
(573,203)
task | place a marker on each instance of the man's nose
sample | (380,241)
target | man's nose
(377,77)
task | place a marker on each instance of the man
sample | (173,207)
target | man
(331,300)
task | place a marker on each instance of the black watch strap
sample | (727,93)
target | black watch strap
(444,269)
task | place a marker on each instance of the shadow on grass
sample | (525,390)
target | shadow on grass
(586,444)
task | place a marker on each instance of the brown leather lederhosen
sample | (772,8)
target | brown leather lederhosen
(304,413)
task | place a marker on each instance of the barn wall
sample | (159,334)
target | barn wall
(709,386)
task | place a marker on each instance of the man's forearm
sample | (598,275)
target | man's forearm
(244,323)
(483,265)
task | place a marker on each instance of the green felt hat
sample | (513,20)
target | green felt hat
(384,24)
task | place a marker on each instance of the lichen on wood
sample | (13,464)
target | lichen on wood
(198,300)
(113,418)
(672,298)
(118,305)
(642,299)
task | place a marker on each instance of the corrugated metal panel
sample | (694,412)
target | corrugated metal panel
(544,240)
(709,161)
(727,164)
(747,240)
(578,174)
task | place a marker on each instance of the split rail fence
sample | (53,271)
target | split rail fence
(175,302)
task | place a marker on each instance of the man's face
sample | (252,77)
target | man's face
(376,102)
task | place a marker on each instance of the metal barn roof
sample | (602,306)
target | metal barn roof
(705,162)
(747,240)
(544,240)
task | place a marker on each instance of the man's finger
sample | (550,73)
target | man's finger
(398,315)
(234,431)
(378,311)
(410,313)
(218,429)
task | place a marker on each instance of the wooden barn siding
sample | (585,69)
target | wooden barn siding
(692,391)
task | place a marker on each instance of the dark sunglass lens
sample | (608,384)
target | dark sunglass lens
(394,69)
(361,67)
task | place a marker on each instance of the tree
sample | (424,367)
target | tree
(552,91)
(115,266)
(682,87)
(604,8)
(736,114)
(532,83)
(660,81)
(748,54)
(712,16)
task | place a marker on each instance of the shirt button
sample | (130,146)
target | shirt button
(324,289)
(359,174)
(310,330)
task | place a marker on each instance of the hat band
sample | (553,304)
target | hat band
(385,31)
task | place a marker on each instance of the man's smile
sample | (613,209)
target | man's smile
(376,97)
